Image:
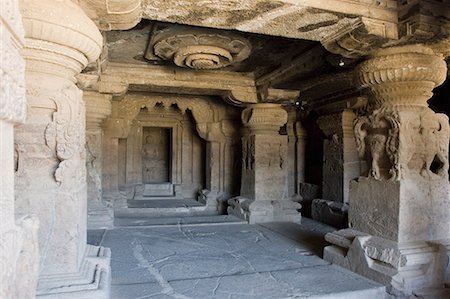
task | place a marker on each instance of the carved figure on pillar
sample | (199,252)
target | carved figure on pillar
(399,211)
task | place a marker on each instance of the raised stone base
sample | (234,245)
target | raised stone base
(162,189)
(92,281)
(260,211)
(209,198)
(403,268)
(330,212)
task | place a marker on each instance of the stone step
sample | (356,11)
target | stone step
(163,208)
(175,221)
(158,189)
(433,293)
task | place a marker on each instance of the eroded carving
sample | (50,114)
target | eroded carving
(401,134)
(198,48)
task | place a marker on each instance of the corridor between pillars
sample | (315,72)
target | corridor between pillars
(264,190)
(60,40)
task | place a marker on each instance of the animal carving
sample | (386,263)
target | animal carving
(372,137)
(435,134)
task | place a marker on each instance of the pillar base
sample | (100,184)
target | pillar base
(330,212)
(93,280)
(405,269)
(260,211)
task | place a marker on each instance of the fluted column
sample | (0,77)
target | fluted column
(264,188)
(51,164)
(98,107)
(400,211)
(18,233)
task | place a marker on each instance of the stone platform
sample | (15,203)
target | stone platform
(225,261)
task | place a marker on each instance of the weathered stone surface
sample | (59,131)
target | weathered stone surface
(19,249)
(330,212)
(402,268)
(264,196)
(59,42)
(198,48)
(400,204)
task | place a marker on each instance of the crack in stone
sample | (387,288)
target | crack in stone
(167,289)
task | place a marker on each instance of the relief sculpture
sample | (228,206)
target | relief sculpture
(396,143)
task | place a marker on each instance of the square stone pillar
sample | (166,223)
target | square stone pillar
(19,250)
(341,164)
(50,149)
(98,107)
(264,193)
(296,153)
(400,212)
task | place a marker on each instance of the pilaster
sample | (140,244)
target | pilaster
(98,107)
(296,151)
(51,166)
(264,195)
(399,212)
(341,164)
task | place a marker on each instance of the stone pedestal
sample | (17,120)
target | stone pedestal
(264,193)
(341,164)
(50,149)
(400,212)
(98,107)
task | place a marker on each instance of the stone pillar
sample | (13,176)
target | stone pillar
(214,164)
(98,107)
(400,213)
(18,238)
(264,188)
(51,167)
(341,164)
(296,152)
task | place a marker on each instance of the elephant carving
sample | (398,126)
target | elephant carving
(435,134)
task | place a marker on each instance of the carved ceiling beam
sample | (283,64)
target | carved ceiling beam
(361,38)
(117,79)
(113,14)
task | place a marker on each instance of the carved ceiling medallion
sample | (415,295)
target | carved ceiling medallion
(199,48)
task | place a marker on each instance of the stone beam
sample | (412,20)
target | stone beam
(113,14)
(121,77)
(307,19)
(307,62)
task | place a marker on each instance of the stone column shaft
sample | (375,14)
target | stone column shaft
(51,165)
(19,252)
(400,212)
(341,162)
(264,187)
(296,152)
(98,107)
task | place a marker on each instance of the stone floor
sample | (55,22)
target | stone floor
(224,258)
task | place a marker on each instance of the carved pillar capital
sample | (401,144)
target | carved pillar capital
(337,123)
(98,107)
(401,136)
(264,118)
(59,38)
(402,75)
